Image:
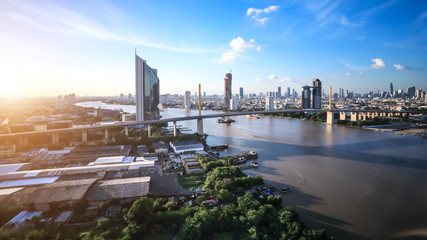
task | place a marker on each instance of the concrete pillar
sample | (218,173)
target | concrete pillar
(175,132)
(55,138)
(359,116)
(330,117)
(23,141)
(364,116)
(126,131)
(353,116)
(106,134)
(200,126)
(149,130)
(84,135)
(389,114)
(342,115)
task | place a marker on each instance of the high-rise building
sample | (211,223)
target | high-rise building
(279,92)
(227,89)
(269,103)
(391,89)
(289,92)
(233,104)
(187,98)
(147,91)
(306,97)
(241,93)
(317,93)
(411,91)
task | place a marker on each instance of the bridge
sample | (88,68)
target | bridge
(354,116)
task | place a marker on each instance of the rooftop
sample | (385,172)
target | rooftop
(119,189)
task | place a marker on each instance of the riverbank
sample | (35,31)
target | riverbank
(401,129)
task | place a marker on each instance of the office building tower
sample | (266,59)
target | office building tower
(233,103)
(306,97)
(289,92)
(227,89)
(279,92)
(411,91)
(419,93)
(317,94)
(269,103)
(241,93)
(391,89)
(147,91)
(187,100)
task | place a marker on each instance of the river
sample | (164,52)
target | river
(356,184)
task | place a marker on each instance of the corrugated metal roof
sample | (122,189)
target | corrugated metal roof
(24,215)
(7,168)
(27,182)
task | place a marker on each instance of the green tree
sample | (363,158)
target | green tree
(36,235)
(225,195)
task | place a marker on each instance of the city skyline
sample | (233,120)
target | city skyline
(55,48)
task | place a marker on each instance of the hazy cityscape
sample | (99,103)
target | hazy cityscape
(142,120)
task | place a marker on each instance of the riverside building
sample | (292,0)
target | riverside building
(147,91)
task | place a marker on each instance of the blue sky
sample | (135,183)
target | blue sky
(49,48)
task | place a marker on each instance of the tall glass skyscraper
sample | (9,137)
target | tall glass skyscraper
(317,94)
(147,91)
(227,89)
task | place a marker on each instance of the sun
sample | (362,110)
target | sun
(8,89)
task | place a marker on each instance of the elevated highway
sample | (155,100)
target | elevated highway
(355,115)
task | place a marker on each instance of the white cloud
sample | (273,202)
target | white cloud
(354,74)
(59,20)
(282,80)
(401,67)
(258,80)
(378,63)
(262,20)
(255,12)
(258,48)
(422,16)
(238,46)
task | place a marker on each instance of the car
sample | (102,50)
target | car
(285,189)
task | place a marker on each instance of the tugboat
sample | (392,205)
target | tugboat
(225,120)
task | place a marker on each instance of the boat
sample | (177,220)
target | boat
(225,120)
(251,155)
(252,116)
(254,164)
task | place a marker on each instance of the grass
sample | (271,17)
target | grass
(191,181)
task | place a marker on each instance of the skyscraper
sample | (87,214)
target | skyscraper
(289,92)
(391,89)
(241,93)
(147,91)
(187,98)
(227,89)
(317,94)
(279,92)
(411,91)
(269,103)
(306,97)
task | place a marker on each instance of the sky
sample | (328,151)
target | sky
(50,48)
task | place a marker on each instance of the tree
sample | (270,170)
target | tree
(36,235)
(225,195)
(138,218)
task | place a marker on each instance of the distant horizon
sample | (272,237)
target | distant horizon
(52,48)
